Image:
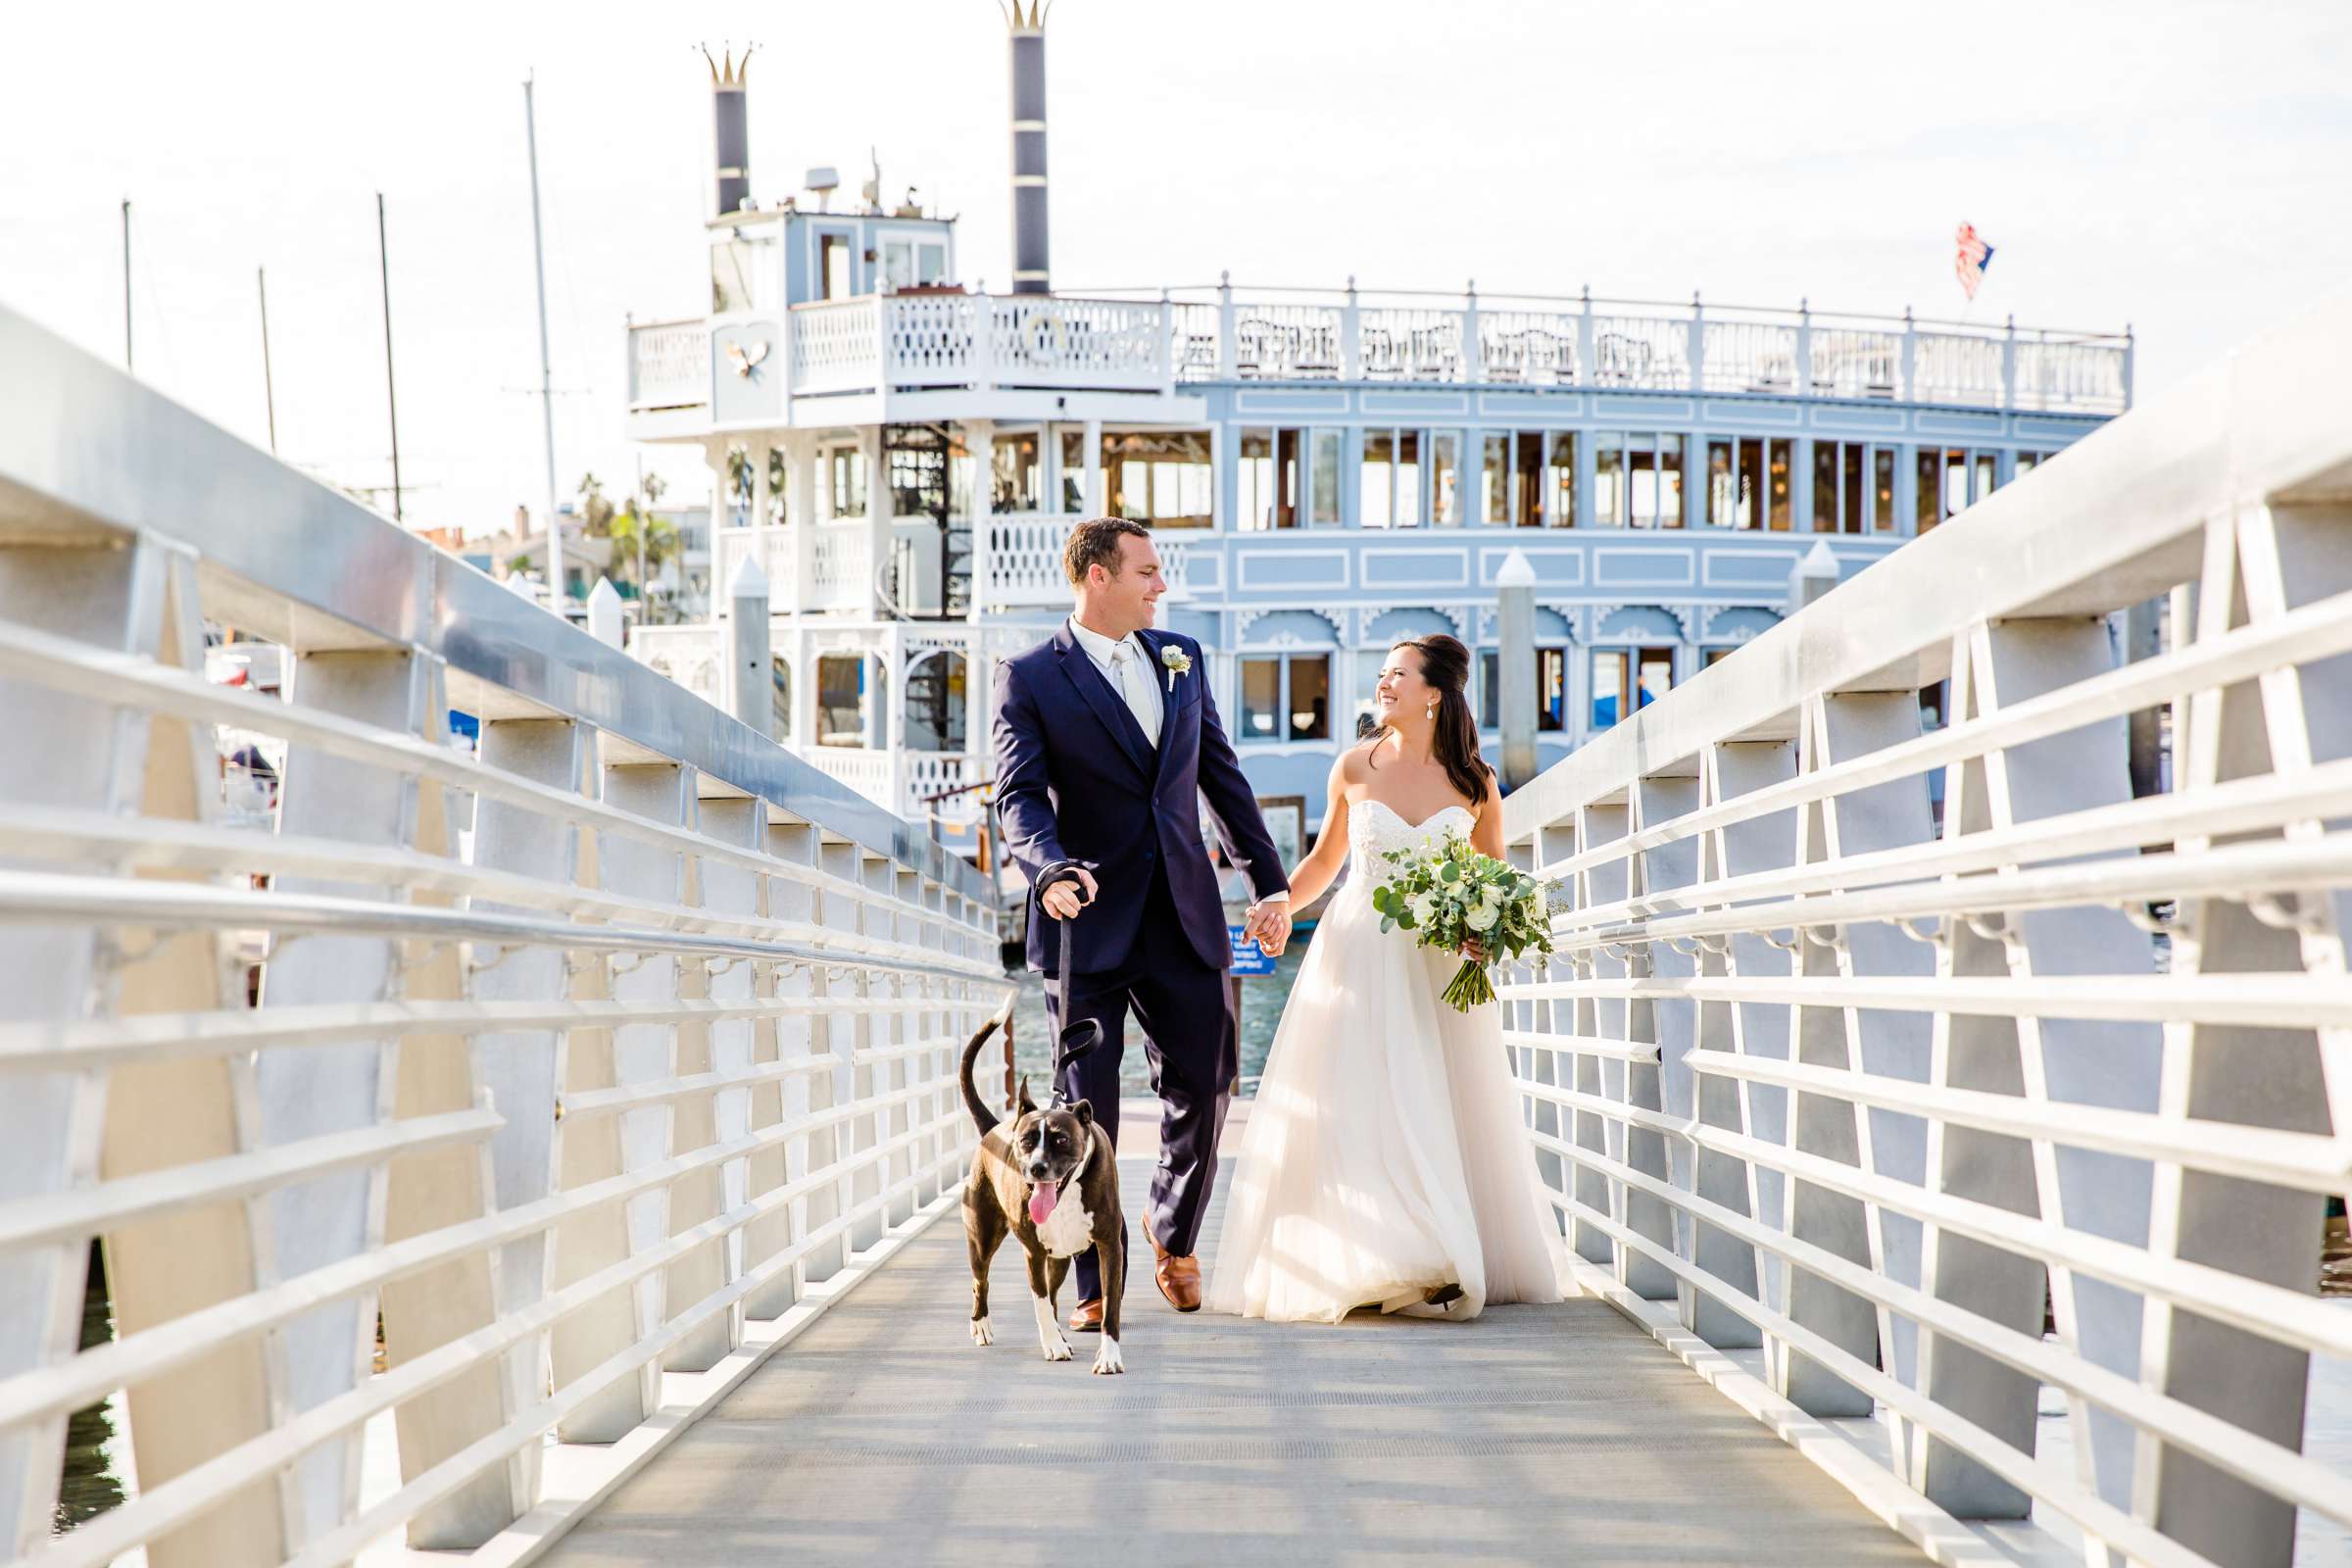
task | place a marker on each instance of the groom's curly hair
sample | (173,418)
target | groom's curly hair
(1095,542)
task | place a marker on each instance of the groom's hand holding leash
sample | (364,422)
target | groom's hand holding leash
(1063,899)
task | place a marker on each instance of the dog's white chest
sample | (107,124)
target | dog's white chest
(1069,1230)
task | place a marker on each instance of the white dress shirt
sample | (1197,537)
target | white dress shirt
(1124,663)
(1129,667)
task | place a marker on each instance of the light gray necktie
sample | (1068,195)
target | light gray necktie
(1122,656)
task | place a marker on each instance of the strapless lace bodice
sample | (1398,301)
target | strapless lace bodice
(1375,829)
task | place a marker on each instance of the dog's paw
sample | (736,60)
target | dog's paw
(982,1334)
(1107,1361)
(1048,1332)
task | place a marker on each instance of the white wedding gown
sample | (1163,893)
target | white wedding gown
(1384,1154)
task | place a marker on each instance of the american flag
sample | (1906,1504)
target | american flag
(1974,257)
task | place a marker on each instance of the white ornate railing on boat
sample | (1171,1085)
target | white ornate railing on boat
(779,558)
(670,365)
(1050,342)
(1024,560)
(1866,1044)
(918,342)
(838,576)
(837,345)
(590,1067)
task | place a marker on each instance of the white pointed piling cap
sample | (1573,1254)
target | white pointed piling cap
(605,620)
(1818,562)
(1517,571)
(750,581)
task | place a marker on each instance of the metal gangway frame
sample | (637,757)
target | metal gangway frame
(591,1067)
(1872,1037)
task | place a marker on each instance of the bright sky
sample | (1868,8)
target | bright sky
(2174,163)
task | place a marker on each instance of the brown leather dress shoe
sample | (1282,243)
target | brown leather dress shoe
(1087,1317)
(1178,1278)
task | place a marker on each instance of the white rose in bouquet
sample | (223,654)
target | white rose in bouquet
(1482,917)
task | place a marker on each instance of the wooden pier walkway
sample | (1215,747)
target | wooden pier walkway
(1554,1435)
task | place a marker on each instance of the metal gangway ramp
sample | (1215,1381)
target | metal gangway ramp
(550,1148)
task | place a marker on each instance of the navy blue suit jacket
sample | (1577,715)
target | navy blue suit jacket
(1077,781)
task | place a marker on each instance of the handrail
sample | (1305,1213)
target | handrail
(1859,1034)
(576,1068)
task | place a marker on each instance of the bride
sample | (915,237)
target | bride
(1384,1162)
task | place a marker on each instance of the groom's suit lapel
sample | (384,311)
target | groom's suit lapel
(1107,704)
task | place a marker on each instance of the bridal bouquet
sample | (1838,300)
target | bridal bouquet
(1451,896)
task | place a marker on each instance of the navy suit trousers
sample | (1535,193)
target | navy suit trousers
(1190,1041)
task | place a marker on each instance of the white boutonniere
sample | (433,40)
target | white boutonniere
(1179,663)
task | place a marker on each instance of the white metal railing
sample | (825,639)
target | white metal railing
(920,342)
(589,1067)
(688,654)
(670,365)
(1866,1044)
(839,577)
(865,772)
(1225,333)
(1050,342)
(1951,369)
(779,558)
(1024,560)
(836,345)
(1530,348)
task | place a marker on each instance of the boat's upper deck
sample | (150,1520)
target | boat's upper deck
(940,352)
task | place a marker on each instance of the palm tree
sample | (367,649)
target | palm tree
(636,529)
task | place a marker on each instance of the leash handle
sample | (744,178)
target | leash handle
(1080,1038)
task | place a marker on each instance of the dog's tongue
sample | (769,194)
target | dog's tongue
(1042,1199)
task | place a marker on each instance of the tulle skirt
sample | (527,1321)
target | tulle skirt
(1384,1154)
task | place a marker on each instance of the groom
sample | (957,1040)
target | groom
(1106,740)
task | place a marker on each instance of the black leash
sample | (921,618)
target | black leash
(1081,1038)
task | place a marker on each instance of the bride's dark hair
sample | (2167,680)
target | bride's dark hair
(1445,666)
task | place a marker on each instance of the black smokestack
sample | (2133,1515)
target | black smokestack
(733,128)
(1029,231)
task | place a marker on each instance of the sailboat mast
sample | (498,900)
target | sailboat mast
(260,278)
(383,262)
(547,392)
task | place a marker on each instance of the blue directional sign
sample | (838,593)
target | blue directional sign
(1248,959)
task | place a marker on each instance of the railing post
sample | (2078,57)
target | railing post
(1228,344)
(1585,367)
(980,439)
(2047,1060)
(625,1139)
(522,1070)
(340,1088)
(800,448)
(1474,352)
(142,602)
(1909,389)
(2009,366)
(983,308)
(1169,356)
(751,678)
(1697,352)
(1352,349)
(1663,1086)
(1804,350)
(2129,342)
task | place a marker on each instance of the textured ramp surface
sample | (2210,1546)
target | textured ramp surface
(1558,1434)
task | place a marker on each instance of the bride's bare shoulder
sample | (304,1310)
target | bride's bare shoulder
(1354,764)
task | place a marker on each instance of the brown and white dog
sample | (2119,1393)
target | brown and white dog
(1048,1178)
